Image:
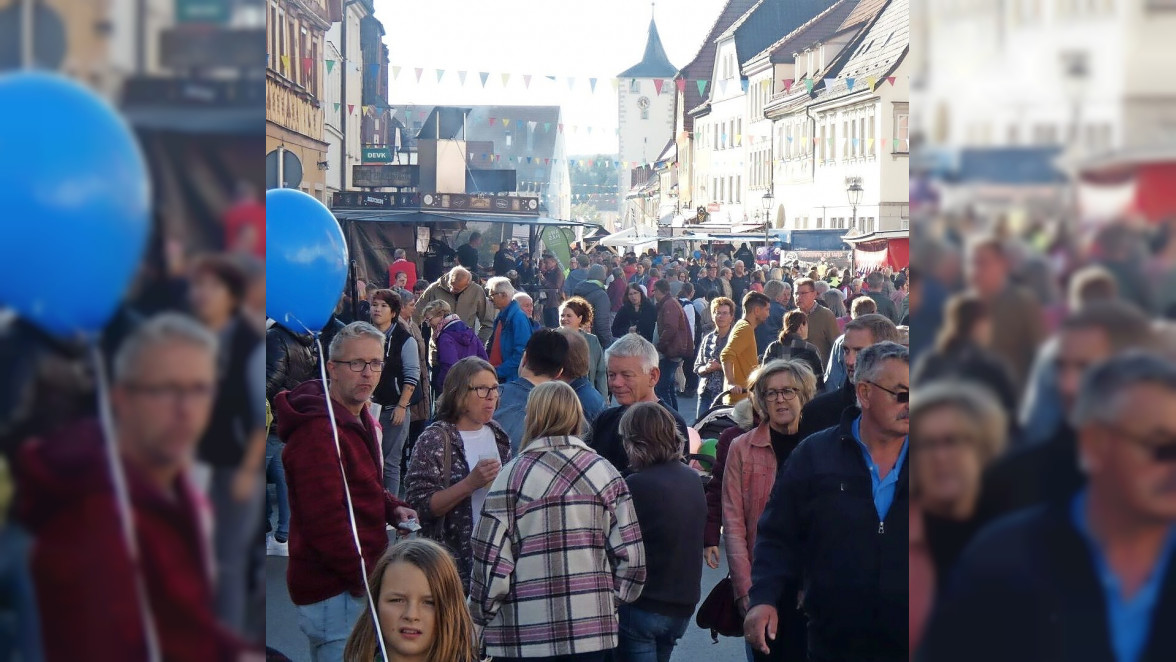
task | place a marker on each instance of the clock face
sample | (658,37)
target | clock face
(643,103)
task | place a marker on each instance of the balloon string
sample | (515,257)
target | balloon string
(350,507)
(123,503)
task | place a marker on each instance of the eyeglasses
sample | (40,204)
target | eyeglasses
(1159,448)
(358,365)
(902,397)
(174,392)
(800,292)
(781,394)
(484,392)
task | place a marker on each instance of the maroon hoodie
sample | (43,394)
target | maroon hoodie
(85,585)
(323,562)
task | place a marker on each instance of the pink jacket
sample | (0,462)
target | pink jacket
(747,484)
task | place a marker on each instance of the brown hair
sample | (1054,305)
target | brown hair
(650,436)
(581,308)
(755,299)
(456,386)
(964,312)
(454,630)
(575,363)
(862,306)
(391,298)
(721,301)
(793,320)
(225,269)
(553,410)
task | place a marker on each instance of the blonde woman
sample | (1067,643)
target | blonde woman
(448,495)
(559,521)
(779,391)
(421,607)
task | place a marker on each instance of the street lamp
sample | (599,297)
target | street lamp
(767,203)
(854,191)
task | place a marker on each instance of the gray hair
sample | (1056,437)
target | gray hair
(354,331)
(879,326)
(1104,385)
(821,287)
(773,289)
(399,254)
(500,284)
(158,330)
(875,279)
(633,345)
(872,359)
(523,296)
(802,375)
(461,272)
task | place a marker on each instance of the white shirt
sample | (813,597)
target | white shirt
(477,444)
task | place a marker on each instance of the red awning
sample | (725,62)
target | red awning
(894,253)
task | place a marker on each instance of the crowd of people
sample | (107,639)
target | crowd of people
(547,468)
(1043,496)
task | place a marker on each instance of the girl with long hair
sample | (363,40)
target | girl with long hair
(638,315)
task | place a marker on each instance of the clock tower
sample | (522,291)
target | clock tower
(645,108)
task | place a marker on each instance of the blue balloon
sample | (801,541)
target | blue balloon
(305,260)
(74,206)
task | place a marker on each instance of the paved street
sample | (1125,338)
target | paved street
(282,631)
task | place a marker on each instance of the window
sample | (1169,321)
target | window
(509,139)
(634,86)
(739,188)
(644,113)
(833,141)
(902,127)
(824,144)
(848,145)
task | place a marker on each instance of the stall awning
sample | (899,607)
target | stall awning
(628,237)
(873,250)
(410,217)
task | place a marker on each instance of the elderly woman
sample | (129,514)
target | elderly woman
(558,529)
(957,429)
(456,459)
(452,338)
(779,391)
(576,313)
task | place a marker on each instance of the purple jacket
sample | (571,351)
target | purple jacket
(455,342)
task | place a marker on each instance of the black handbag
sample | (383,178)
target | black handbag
(719,613)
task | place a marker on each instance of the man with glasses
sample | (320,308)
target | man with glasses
(1089,576)
(325,577)
(822,325)
(512,330)
(836,525)
(826,410)
(162,399)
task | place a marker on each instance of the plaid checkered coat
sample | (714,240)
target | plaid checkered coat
(556,550)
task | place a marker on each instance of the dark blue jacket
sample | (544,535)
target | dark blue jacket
(1026,590)
(820,533)
(515,328)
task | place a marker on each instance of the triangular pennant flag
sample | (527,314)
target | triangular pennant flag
(560,128)
(789,138)
(367,110)
(350,109)
(894,147)
(505,123)
(869,144)
(829,83)
(306,64)
(461,76)
(483,75)
(657,85)
(591,163)
(890,79)
(527,81)
(505,79)
(743,82)
(592,84)
(337,107)
(616,163)
(854,142)
(547,127)
(493,120)
(872,82)
(396,72)
(546,161)
(808,84)
(440,73)
(571,82)
(788,84)
(701,87)
(680,83)
(419,71)
(330,65)
(531,125)
(285,62)
(849,82)
(528,159)
(738,138)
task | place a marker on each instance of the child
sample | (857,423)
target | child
(421,606)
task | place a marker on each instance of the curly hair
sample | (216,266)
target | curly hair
(582,309)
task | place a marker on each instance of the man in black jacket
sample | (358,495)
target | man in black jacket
(825,410)
(835,527)
(1089,577)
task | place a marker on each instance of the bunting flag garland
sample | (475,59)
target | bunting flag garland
(350,109)
(337,105)
(808,84)
(505,79)
(330,65)
(484,76)
(869,144)
(396,72)
(531,125)
(743,82)
(367,110)
(571,82)
(592,84)
(723,87)
(547,127)
(440,73)
(829,83)
(787,82)
(285,62)
(681,85)
(616,84)
(702,86)
(849,83)
(461,76)
(872,82)
(890,79)
(657,85)
(419,71)
(505,123)
(527,81)
(493,120)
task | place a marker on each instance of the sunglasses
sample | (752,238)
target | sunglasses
(901,397)
(1159,449)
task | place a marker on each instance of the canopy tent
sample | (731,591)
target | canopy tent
(890,248)
(628,238)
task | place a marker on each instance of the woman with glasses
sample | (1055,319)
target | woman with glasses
(452,338)
(399,379)
(779,391)
(456,458)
